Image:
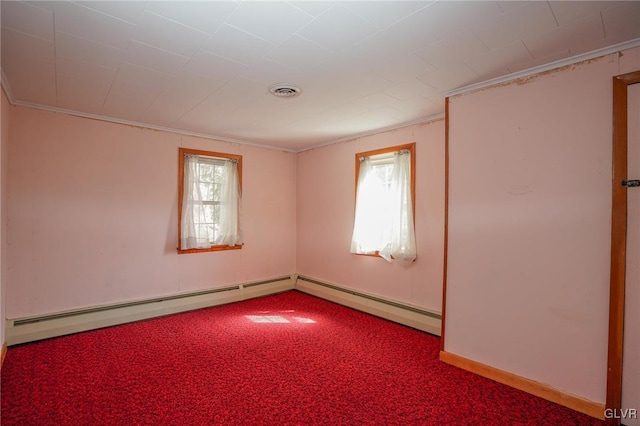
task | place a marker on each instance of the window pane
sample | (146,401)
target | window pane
(217,177)
(216,213)
(206,172)
(208,213)
(215,191)
(202,229)
(210,219)
(206,191)
(383,171)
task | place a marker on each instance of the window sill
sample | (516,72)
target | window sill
(212,248)
(376,254)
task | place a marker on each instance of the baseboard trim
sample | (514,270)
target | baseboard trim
(547,392)
(392,310)
(4,353)
(22,330)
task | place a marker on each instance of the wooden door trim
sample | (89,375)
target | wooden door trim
(618,242)
(446,222)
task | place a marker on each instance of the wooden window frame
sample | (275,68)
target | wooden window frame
(411,147)
(181,154)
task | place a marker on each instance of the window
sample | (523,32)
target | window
(385,193)
(209,199)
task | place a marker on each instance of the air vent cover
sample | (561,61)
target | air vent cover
(285,90)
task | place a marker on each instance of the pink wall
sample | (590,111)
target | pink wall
(325,203)
(4,144)
(93,215)
(529,226)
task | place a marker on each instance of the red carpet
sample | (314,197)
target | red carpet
(278,360)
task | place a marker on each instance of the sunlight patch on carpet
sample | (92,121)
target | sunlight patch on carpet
(278,319)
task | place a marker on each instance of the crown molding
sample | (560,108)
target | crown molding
(423,120)
(145,125)
(546,67)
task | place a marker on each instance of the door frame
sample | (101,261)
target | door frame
(618,242)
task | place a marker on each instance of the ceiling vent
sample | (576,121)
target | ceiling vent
(285,90)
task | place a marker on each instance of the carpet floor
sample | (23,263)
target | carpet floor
(286,359)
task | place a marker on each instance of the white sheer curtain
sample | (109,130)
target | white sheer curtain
(402,243)
(230,197)
(193,213)
(384,212)
(194,223)
(370,232)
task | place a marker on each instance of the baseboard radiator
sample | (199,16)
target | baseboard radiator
(402,313)
(30,329)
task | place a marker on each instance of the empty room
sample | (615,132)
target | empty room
(320,212)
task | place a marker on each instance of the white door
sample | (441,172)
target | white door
(631,352)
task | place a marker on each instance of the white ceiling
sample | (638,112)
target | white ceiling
(205,67)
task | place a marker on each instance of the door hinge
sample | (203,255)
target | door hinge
(630,183)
